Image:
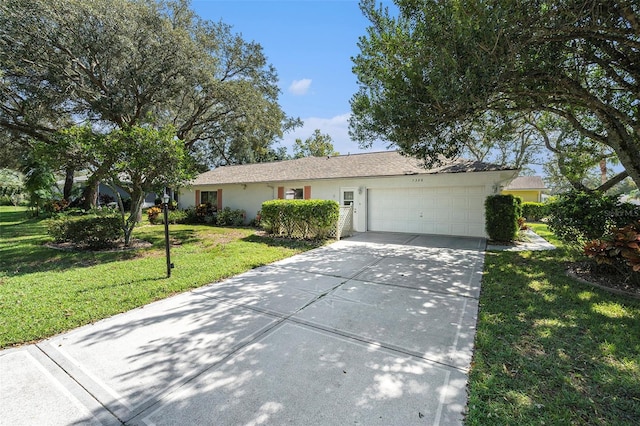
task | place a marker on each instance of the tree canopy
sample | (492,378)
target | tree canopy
(428,72)
(316,145)
(117,64)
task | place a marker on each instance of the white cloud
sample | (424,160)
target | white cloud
(337,127)
(300,87)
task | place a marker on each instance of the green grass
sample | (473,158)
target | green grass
(550,350)
(44,291)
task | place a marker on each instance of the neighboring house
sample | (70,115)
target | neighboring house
(388,192)
(529,188)
(103,189)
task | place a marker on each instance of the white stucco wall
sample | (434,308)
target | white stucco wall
(250,197)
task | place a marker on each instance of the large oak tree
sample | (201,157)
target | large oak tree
(429,70)
(119,64)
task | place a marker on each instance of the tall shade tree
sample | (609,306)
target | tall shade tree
(506,141)
(117,64)
(316,145)
(574,156)
(427,72)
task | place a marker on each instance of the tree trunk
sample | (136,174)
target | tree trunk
(628,152)
(68,184)
(625,143)
(90,194)
(137,198)
(603,171)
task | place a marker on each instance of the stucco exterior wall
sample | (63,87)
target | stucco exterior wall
(249,197)
(532,195)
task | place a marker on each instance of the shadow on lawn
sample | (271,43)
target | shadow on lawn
(552,349)
(23,250)
(284,242)
(18,258)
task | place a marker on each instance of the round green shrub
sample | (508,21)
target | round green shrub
(176,216)
(93,232)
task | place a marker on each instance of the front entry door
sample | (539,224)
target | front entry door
(349,197)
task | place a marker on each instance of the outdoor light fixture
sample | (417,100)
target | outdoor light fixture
(165,200)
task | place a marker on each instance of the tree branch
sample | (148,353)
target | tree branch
(613,181)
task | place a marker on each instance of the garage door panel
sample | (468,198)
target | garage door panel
(441,210)
(459,216)
(460,203)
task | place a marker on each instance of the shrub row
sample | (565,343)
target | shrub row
(300,218)
(94,232)
(533,212)
(577,217)
(203,213)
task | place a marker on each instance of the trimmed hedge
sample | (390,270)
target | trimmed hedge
(534,211)
(577,217)
(502,213)
(304,219)
(94,232)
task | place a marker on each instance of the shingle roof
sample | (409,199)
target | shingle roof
(526,182)
(389,163)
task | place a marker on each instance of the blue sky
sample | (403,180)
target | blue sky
(310,43)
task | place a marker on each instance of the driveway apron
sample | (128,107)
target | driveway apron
(376,329)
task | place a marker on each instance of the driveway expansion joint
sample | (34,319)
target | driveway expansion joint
(272,344)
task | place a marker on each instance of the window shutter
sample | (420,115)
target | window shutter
(307,192)
(197,197)
(281,192)
(219,199)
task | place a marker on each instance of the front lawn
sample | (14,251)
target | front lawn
(550,350)
(44,291)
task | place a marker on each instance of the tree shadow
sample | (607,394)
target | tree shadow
(553,349)
(198,360)
(28,256)
(284,242)
(24,250)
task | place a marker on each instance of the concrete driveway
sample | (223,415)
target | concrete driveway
(376,329)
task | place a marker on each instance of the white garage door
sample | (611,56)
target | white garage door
(446,210)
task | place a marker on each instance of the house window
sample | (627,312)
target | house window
(209,197)
(294,194)
(347,198)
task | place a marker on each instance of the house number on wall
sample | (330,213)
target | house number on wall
(417,180)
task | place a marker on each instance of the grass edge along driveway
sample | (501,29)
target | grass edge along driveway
(44,291)
(550,350)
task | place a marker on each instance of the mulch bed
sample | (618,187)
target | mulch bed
(614,283)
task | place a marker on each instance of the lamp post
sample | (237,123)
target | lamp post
(165,199)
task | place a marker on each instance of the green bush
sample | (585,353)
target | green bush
(94,232)
(191,216)
(229,217)
(173,216)
(502,213)
(578,216)
(57,229)
(300,218)
(176,216)
(534,211)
